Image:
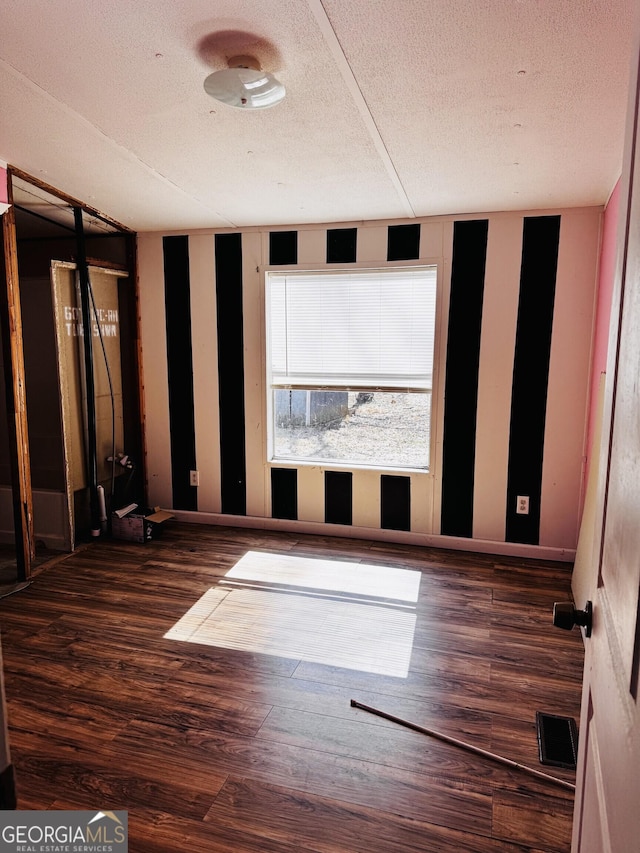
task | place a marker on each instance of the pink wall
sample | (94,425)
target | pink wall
(606,276)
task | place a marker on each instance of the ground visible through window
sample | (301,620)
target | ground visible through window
(382,429)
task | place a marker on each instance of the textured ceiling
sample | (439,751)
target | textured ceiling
(393,110)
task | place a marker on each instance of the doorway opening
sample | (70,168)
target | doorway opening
(73,396)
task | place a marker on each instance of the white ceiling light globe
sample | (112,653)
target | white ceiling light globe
(245,85)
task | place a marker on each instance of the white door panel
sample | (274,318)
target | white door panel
(607,813)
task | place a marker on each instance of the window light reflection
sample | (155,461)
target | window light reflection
(352,615)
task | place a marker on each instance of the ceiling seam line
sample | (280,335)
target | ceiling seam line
(333,43)
(129,154)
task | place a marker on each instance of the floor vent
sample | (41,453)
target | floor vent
(557,740)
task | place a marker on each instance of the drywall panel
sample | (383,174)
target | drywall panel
(366,498)
(499,315)
(422,503)
(312,247)
(310,493)
(440,358)
(205,371)
(372,245)
(254,372)
(431,240)
(568,378)
(154,369)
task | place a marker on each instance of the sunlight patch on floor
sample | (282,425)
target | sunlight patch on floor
(350,615)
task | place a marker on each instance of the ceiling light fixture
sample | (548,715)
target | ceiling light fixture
(245,85)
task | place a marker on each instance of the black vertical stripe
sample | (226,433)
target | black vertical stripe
(228,266)
(338,497)
(284,493)
(635,664)
(395,502)
(341,245)
(540,244)
(283,247)
(133,421)
(180,370)
(461,382)
(403,242)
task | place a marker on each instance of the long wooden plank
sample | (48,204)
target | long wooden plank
(484,753)
(13,357)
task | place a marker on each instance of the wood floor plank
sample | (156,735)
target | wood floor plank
(520,648)
(194,711)
(51,673)
(154,831)
(334,701)
(393,746)
(34,712)
(278,813)
(169,836)
(456,692)
(517,818)
(121,775)
(444,801)
(105,786)
(202,664)
(528,690)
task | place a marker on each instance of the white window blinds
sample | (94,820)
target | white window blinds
(368,329)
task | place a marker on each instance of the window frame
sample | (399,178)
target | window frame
(435,392)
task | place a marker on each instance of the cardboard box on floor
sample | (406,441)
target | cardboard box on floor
(138,524)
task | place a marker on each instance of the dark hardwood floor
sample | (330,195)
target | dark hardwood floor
(228,748)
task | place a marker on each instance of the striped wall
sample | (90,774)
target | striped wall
(514,328)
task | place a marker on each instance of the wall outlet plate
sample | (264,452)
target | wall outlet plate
(522,505)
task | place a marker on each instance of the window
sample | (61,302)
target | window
(350,366)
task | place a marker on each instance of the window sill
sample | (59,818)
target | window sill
(325,465)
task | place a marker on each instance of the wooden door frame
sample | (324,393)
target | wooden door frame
(14,377)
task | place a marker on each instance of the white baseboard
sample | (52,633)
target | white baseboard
(454,543)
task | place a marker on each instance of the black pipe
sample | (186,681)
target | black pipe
(90,394)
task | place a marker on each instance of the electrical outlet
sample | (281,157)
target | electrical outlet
(194,478)
(522,505)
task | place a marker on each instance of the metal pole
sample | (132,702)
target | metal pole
(507,762)
(92,454)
